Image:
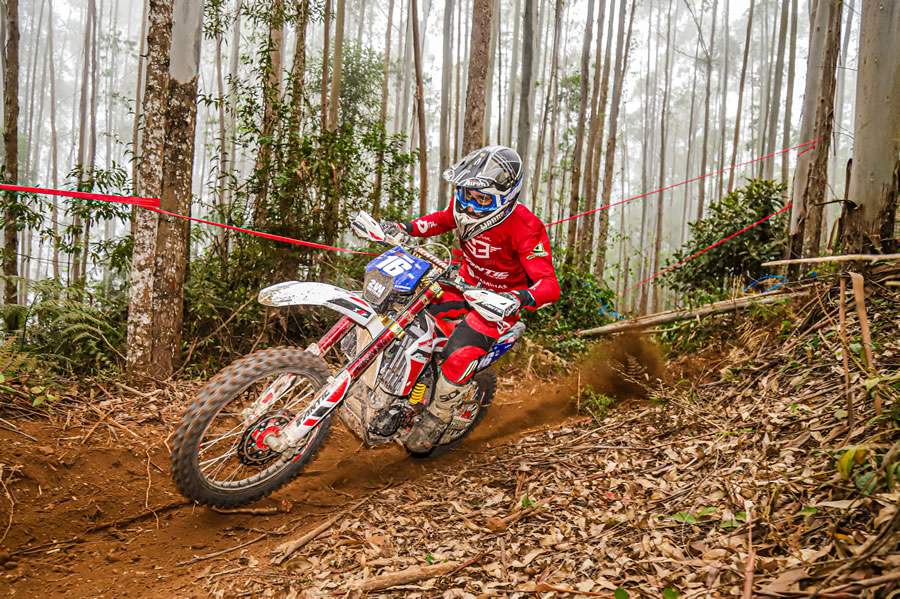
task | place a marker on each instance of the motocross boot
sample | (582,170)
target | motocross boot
(437,415)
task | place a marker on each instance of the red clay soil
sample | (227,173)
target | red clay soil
(102,519)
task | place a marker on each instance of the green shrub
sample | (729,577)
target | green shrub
(706,276)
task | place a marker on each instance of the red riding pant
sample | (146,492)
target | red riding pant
(471,338)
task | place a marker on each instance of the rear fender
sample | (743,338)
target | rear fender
(347,303)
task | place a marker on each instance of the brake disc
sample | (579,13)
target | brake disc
(252,450)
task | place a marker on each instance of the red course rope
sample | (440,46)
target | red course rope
(152,204)
(82,195)
(806,146)
(699,253)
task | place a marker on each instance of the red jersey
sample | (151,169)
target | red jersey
(512,255)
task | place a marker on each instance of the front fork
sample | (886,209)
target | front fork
(331,396)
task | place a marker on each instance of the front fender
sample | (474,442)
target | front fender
(295,293)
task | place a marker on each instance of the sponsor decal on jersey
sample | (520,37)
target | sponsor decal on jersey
(481,249)
(495,274)
(538,252)
(424,226)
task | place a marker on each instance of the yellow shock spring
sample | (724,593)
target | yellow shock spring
(417,394)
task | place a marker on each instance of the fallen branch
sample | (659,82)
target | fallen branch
(254,511)
(222,552)
(544,587)
(750,566)
(500,524)
(676,315)
(14,429)
(286,549)
(141,516)
(844,258)
(407,576)
(869,582)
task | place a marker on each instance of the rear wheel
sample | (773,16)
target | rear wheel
(219,456)
(473,410)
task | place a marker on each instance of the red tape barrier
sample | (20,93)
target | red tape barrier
(83,195)
(699,253)
(805,146)
(152,204)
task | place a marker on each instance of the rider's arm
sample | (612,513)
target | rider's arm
(432,224)
(537,260)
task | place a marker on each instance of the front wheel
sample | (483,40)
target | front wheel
(470,414)
(219,456)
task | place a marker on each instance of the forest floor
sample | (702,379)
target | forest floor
(734,466)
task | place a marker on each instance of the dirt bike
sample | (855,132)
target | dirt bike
(255,425)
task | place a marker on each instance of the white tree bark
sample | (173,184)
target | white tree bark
(160,244)
(875,176)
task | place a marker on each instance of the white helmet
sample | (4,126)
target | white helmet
(496,173)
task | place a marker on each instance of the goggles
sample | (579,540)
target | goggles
(475,202)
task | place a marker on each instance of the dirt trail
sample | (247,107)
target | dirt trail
(64,488)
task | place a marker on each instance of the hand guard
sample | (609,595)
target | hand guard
(515,304)
(396,230)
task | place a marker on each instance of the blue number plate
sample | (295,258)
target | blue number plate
(406,270)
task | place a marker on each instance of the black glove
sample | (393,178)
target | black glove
(453,278)
(525,298)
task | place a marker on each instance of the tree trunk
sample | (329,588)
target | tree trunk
(54,145)
(338,75)
(382,119)
(479,47)
(775,103)
(491,71)
(869,217)
(786,135)
(161,246)
(723,93)
(76,274)
(574,194)
(740,104)
(298,71)
(11,159)
(811,174)
(514,67)
(622,52)
(526,91)
(30,120)
(685,208)
(548,98)
(598,115)
(270,99)
(326,34)
(446,85)
(841,96)
(420,110)
(701,196)
(457,92)
(138,102)
(664,130)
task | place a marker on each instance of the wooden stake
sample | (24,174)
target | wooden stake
(859,297)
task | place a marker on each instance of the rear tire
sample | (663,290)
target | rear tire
(486,384)
(213,398)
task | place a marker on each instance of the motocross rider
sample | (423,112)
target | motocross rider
(505,249)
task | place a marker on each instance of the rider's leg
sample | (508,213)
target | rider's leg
(470,341)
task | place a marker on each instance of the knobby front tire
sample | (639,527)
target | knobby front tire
(228,386)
